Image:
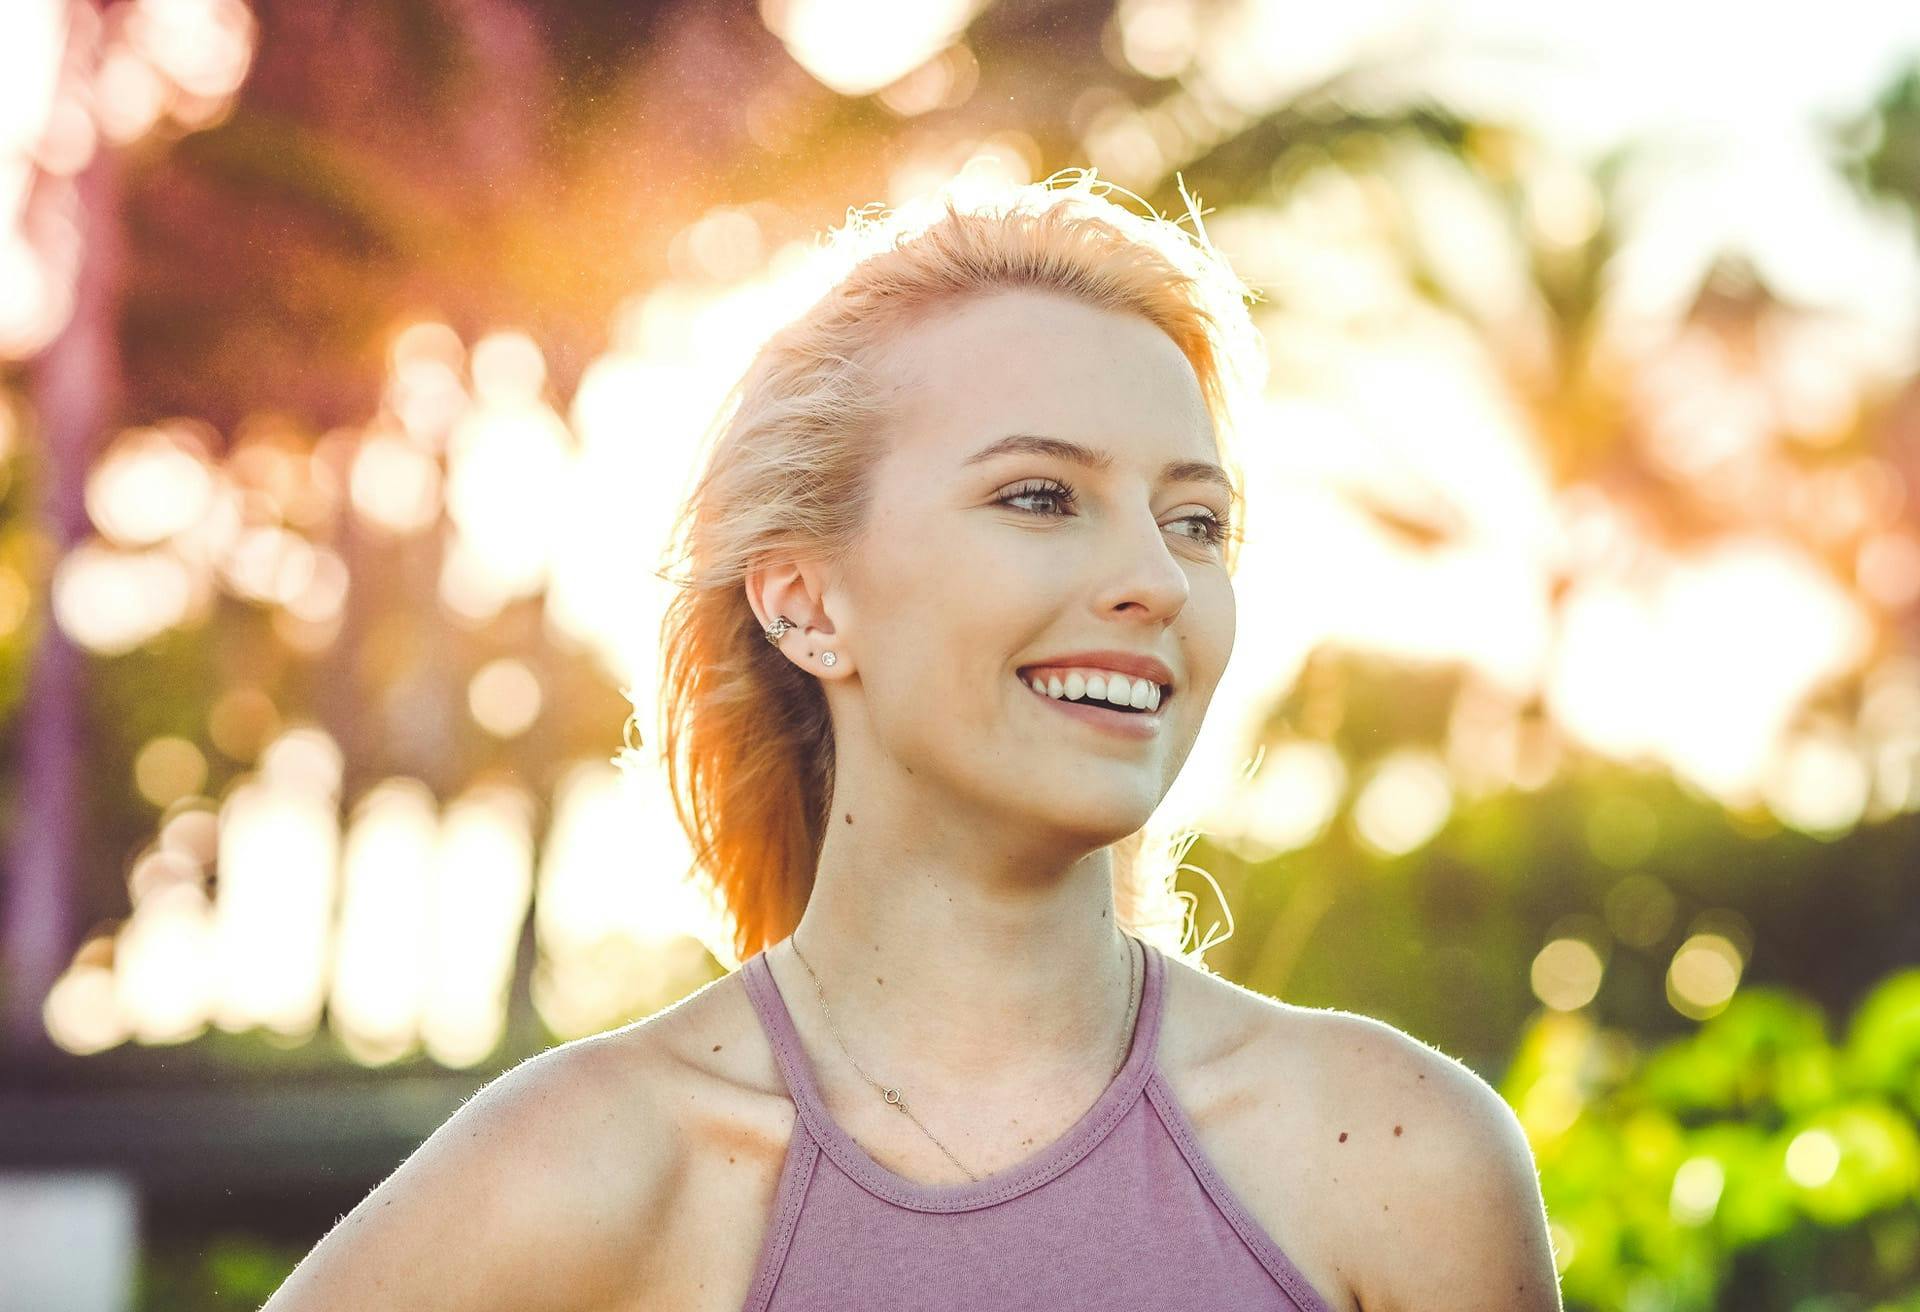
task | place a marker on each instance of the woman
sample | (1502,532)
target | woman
(965,510)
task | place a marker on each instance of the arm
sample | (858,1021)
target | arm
(1492,1248)
(538,1193)
(1451,1218)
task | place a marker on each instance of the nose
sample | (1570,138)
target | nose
(1143,576)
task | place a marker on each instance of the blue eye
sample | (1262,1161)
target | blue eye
(1215,530)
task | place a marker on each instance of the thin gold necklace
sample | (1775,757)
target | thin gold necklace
(892,1094)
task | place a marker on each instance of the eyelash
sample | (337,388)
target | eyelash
(1218,529)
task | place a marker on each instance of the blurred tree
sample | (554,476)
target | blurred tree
(1752,1165)
(76,390)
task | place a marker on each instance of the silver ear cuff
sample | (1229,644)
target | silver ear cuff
(778,630)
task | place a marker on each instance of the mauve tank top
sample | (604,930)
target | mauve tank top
(1122,1212)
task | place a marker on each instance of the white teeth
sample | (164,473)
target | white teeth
(1114,689)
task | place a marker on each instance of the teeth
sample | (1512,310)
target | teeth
(1102,686)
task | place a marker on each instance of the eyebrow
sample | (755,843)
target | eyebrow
(1031,444)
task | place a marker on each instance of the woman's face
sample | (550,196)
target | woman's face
(983,571)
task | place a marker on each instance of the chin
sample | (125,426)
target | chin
(1098,820)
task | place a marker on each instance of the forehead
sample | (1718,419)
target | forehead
(1024,361)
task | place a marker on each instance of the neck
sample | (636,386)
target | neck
(938,960)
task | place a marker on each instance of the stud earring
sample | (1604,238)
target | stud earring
(778,630)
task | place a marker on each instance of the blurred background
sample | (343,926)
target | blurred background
(353,355)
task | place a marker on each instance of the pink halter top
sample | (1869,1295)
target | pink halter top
(1122,1212)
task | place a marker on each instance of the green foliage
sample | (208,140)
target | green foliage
(1752,1165)
(233,1271)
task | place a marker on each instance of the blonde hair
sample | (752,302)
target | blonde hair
(745,735)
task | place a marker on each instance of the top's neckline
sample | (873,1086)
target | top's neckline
(1080,1138)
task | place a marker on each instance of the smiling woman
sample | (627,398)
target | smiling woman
(957,593)
(902,395)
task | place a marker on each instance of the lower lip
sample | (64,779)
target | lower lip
(1136,725)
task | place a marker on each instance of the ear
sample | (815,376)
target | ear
(796,590)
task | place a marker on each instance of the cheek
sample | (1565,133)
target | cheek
(933,621)
(957,573)
(1213,619)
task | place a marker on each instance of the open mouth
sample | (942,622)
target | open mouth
(1088,702)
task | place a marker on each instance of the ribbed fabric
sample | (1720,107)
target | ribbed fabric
(1122,1212)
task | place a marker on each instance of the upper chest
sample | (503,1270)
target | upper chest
(1261,1129)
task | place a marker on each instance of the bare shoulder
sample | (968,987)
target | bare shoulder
(539,1192)
(1245,1071)
(1391,1174)
(722,1090)
(1430,1174)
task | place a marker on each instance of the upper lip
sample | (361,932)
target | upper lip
(1125,662)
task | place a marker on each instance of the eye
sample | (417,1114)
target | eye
(1044,487)
(1214,529)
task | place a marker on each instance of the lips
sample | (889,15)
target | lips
(1137,726)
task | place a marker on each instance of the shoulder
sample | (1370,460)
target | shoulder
(1439,1205)
(540,1191)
